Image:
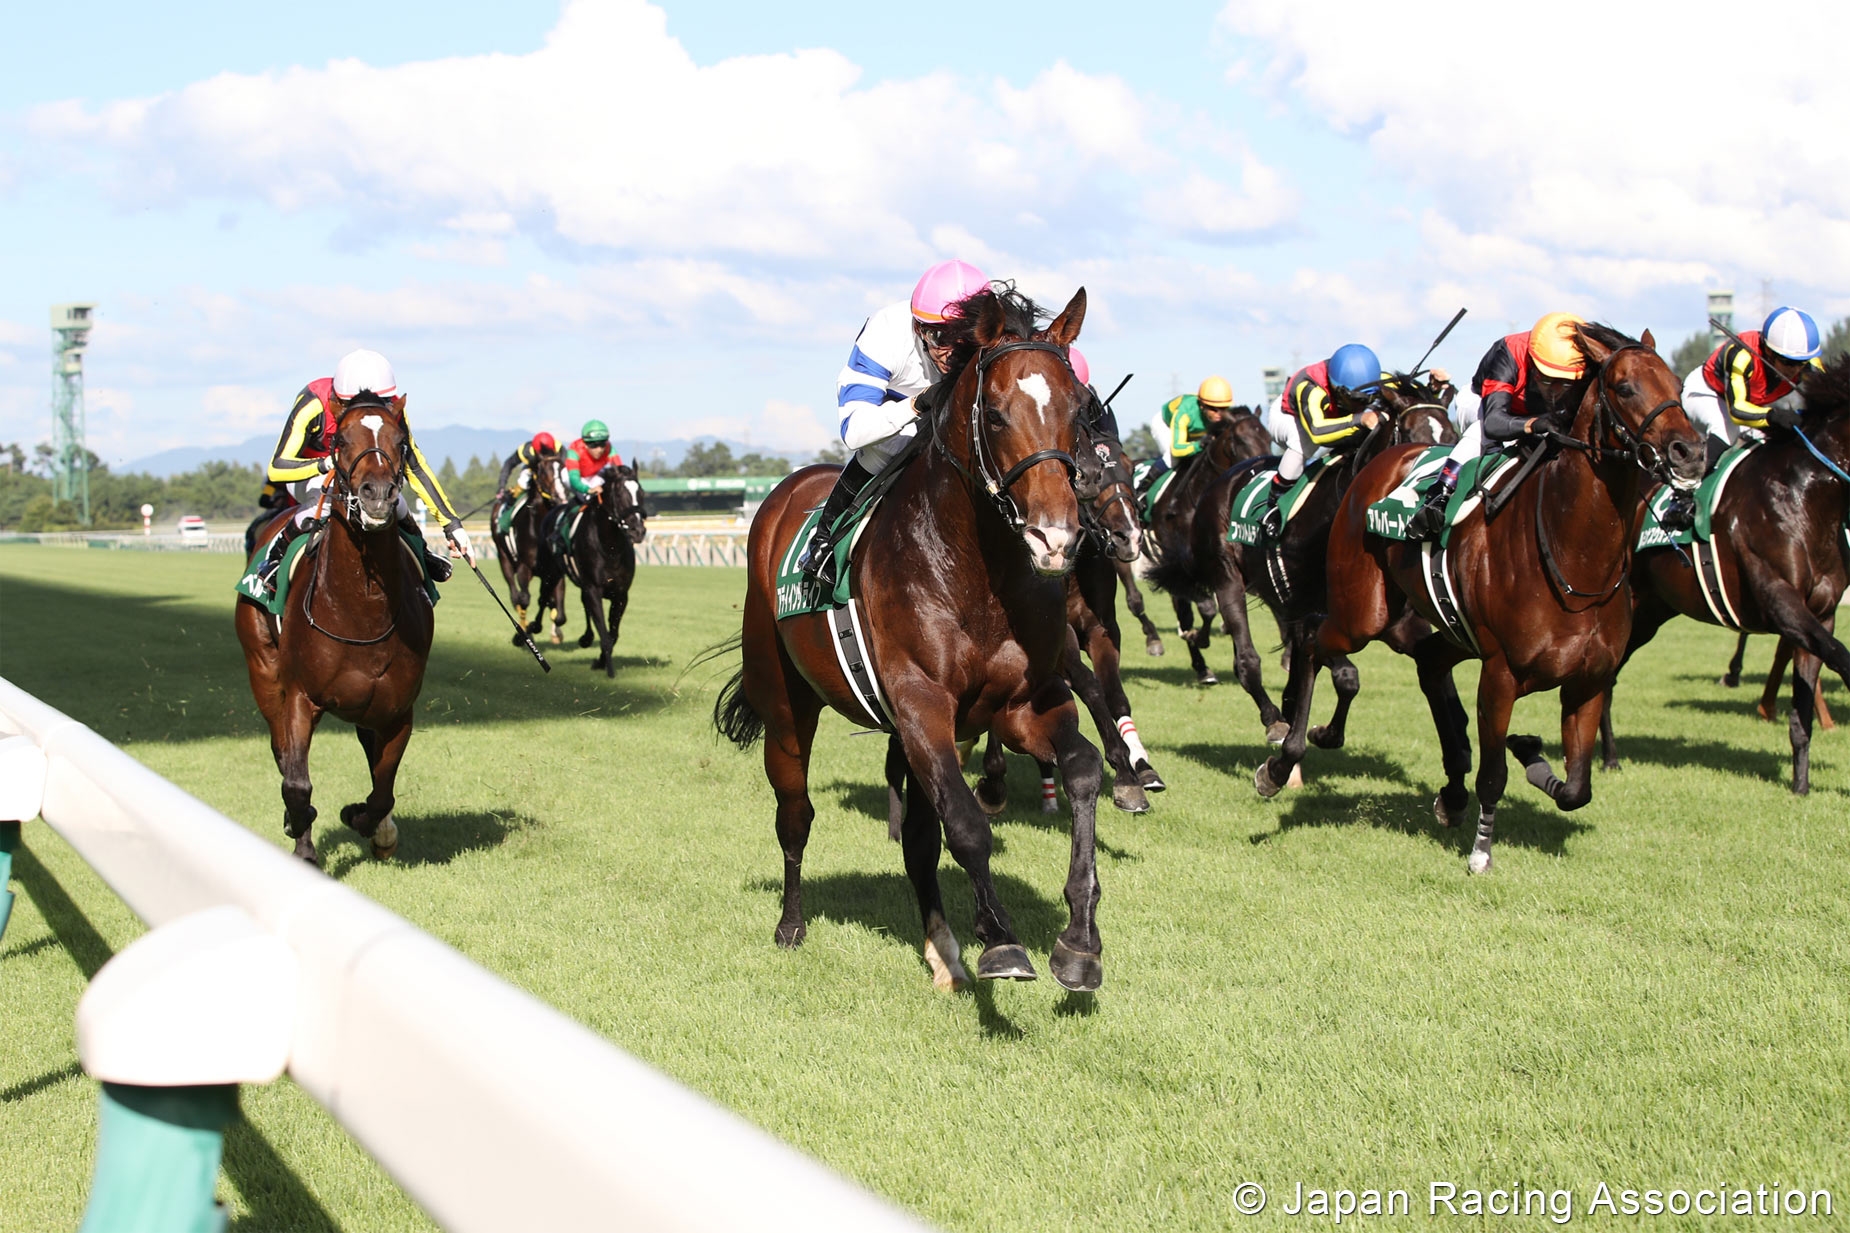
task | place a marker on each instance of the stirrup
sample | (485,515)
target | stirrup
(1428,521)
(437,566)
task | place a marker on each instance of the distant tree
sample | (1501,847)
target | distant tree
(13,458)
(763,464)
(1141,443)
(1836,343)
(41,515)
(703,459)
(834,454)
(446,474)
(1690,353)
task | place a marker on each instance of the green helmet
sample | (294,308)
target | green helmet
(595,433)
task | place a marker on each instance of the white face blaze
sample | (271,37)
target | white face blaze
(1035,386)
(373,423)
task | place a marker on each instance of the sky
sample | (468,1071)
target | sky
(675,216)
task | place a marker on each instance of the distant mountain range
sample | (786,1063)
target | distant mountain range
(457,444)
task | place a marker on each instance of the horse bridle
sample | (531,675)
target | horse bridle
(1111,492)
(617,476)
(347,503)
(985,477)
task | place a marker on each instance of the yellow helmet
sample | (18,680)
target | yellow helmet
(1552,348)
(1215,392)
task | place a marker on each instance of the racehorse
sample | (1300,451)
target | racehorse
(601,558)
(355,635)
(517,549)
(1290,577)
(1779,543)
(1540,588)
(1240,435)
(961,580)
(1768,706)
(544,561)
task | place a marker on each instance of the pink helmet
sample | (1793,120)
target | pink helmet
(1081,369)
(942,286)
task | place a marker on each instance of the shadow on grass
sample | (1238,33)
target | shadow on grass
(1523,822)
(27,1088)
(1772,764)
(435,839)
(1240,761)
(189,681)
(884,902)
(68,924)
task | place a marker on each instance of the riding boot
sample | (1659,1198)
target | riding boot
(818,560)
(273,556)
(1272,522)
(1429,519)
(1713,448)
(438,567)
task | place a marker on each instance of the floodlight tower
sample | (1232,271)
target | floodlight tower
(70,325)
(1721,308)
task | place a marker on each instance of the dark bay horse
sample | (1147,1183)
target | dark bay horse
(546,563)
(1779,556)
(961,579)
(1291,581)
(1768,706)
(517,549)
(1540,588)
(355,636)
(1238,436)
(601,559)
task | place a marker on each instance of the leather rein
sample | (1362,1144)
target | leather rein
(346,507)
(982,470)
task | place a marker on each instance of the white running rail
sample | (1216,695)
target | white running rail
(491,1109)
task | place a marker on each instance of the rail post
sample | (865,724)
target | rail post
(171,1026)
(22,792)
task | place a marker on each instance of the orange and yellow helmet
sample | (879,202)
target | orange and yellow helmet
(1216,393)
(1552,348)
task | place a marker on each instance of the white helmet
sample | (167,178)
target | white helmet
(1792,334)
(364,370)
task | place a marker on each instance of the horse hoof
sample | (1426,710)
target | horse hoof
(1262,780)
(519,639)
(1296,779)
(1767,713)
(558,639)
(305,849)
(1447,817)
(385,839)
(790,935)
(354,816)
(1324,738)
(1153,647)
(585,639)
(1207,678)
(1729,681)
(1076,970)
(1277,733)
(1479,862)
(1612,764)
(1149,779)
(1008,962)
(992,798)
(1129,797)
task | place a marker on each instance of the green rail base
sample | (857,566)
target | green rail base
(9,844)
(157,1158)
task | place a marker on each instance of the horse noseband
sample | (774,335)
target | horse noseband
(998,486)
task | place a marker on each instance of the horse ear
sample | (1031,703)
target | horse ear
(1595,351)
(398,406)
(1647,340)
(991,321)
(337,407)
(1065,327)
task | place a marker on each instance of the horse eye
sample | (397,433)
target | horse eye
(994,418)
(1624,389)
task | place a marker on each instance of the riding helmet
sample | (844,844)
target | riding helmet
(1552,348)
(1353,367)
(595,432)
(1215,392)
(1792,335)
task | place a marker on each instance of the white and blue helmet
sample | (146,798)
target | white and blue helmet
(1792,334)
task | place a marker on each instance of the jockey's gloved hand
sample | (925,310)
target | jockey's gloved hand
(460,538)
(325,465)
(1787,412)
(595,482)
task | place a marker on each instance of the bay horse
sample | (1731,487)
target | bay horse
(1779,555)
(1240,435)
(1540,588)
(1291,580)
(547,563)
(1768,706)
(961,578)
(601,558)
(355,636)
(518,548)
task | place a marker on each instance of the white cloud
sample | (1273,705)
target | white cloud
(1608,153)
(778,425)
(1204,207)
(243,408)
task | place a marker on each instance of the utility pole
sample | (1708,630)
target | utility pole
(70,325)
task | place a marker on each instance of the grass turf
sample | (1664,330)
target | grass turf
(1652,991)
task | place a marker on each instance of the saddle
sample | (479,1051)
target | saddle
(1246,515)
(1653,534)
(302,549)
(796,593)
(1478,482)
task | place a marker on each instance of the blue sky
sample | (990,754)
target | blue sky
(676,217)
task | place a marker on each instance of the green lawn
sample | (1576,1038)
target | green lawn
(1654,991)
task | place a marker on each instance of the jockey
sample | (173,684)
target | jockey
(1314,396)
(1746,386)
(1524,381)
(588,455)
(1181,424)
(522,459)
(896,357)
(304,455)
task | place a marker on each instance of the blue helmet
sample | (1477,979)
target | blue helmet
(1792,334)
(1355,367)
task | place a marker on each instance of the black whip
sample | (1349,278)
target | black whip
(1417,368)
(520,630)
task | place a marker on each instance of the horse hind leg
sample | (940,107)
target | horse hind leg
(1185,627)
(1133,599)
(992,791)
(1732,677)
(371,819)
(1496,698)
(291,731)
(1805,696)
(920,837)
(1347,682)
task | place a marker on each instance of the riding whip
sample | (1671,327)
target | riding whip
(519,629)
(1121,385)
(1435,342)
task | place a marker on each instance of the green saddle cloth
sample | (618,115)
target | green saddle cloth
(1155,491)
(1388,517)
(504,521)
(1653,533)
(796,594)
(251,588)
(1245,518)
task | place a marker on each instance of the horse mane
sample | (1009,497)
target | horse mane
(1828,388)
(1019,316)
(1603,334)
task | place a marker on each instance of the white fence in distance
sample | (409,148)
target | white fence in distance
(491,1109)
(699,546)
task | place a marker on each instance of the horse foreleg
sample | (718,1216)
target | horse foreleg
(291,731)
(1126,790)
(1434,657)
(920,836)
(1133,599)
(896,790)
(1732,677)
(619,604)
(992,791)
(595,631)
(1076,959)
(1279,771)
(1248,669)
(372,818)
(1185,627)
(1496,697)
(1107,666)
(1805,670)
(1608,743)
(1347,682)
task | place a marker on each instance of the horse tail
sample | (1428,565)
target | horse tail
(733,714)
(1176,575)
